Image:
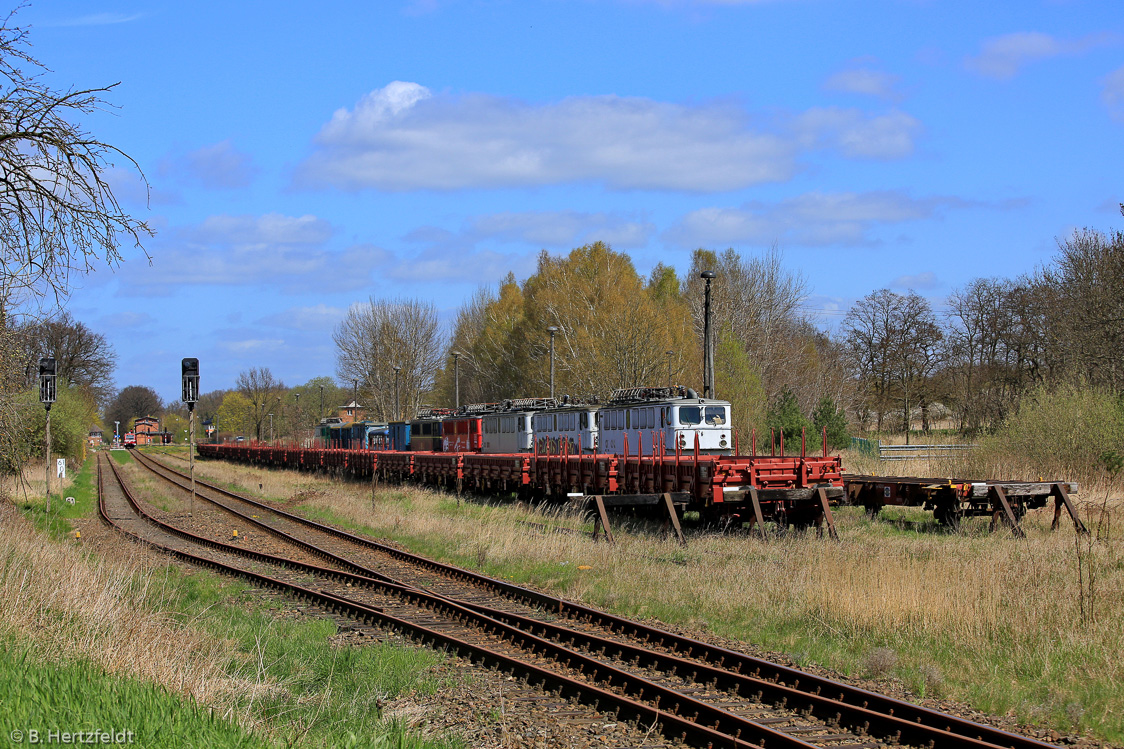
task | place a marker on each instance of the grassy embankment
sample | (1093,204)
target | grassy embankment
(1028,628)
(96,636)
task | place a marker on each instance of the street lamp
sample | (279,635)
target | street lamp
(457,378)
(320,415)
(47,372)
(397,410)
(271,429)
(708,342)
(189,370)
(552,330)
(670,354)
(297,408)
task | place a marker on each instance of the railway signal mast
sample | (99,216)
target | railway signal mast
(47,372)
(189,368)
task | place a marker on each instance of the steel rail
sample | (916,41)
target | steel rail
(774,680)
(706,722)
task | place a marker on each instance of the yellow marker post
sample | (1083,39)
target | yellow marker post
(78,534)
(236,534)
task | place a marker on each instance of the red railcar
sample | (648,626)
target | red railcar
(462,434)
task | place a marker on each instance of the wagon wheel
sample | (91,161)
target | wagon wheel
(948,514)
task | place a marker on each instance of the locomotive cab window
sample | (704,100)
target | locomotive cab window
(690,414)
(715,415)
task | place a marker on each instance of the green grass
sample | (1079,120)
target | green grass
(79,696)
(318,695)
(84,490)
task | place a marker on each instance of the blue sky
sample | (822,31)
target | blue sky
(302,160)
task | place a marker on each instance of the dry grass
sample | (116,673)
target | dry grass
(69,605)
(1009,625)
(32,482)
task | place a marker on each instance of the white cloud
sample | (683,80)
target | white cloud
(281,253)
(252,346)
(1113,94)
(1004,56)
(217,166)
(924,280)
(97,19)
(319,317)
(811,219)
(127,319)
(866,82)
(450,264)
(405,137)
(561,228)
(855,135)
(271,228)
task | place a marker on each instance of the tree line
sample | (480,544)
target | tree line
(995,341)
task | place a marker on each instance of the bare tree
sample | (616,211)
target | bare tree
(131,402)
(894,342)
(83,357)
(58,214)
(263,392)
(377,336)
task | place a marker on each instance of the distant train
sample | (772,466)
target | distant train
(639,420)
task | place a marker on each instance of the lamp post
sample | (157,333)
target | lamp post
(297,408)
(189,369)
(116,433)
(457,379)
(708,342)
(397,410)
(47,372)
(670,354)
(271,429)
(320,415)
(552,330)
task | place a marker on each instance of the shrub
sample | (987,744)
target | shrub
(1065,432)
(827,415)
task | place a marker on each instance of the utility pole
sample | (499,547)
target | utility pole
(670,354)
(552,330)
(457,379)
(708,340)
(47,372)
(397,410)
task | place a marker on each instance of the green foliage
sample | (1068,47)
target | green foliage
(738,381)
(1064,432)
(72,415)
(785,417)
(827,415)
(79,696)
(614,329)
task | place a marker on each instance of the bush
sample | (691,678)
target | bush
(1069,432)
(827,415)
(785,417)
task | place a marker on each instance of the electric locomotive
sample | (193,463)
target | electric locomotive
(639,419)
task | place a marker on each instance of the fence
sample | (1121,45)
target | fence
(906,452)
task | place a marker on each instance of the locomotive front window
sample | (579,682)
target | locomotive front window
(585,419)
(690,414)
(715,415)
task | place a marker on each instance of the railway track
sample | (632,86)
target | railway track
(690,690)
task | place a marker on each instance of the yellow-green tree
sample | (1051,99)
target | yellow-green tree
(614,330)
(236,414)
